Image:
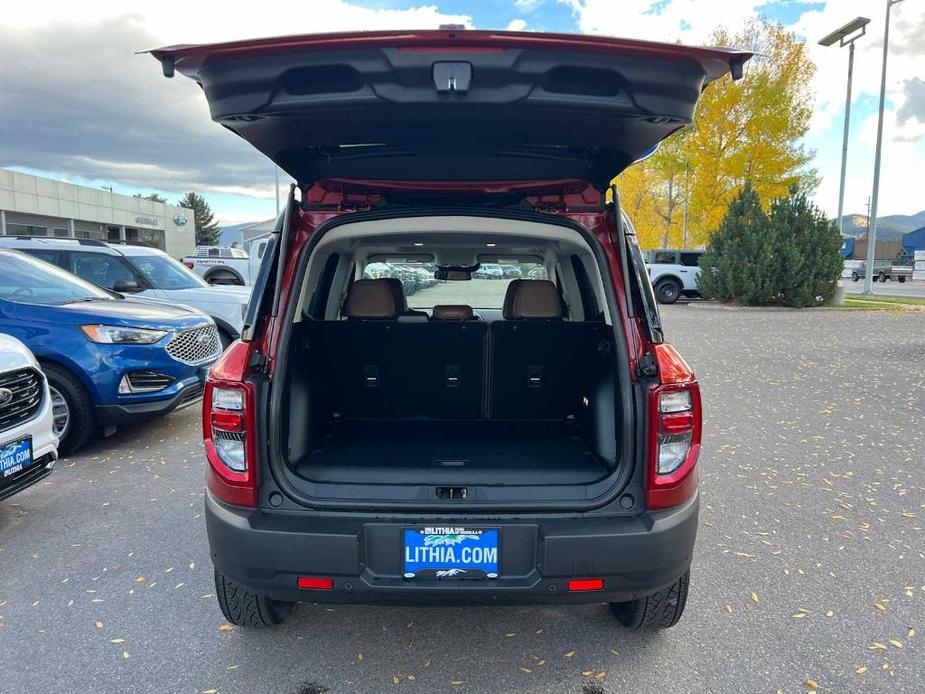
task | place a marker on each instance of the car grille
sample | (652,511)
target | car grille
(25,397)
(195,346)
(148,381)
(190,395)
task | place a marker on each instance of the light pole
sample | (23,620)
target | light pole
(872,227)
(846,36)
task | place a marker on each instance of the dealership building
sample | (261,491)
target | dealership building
(36,206)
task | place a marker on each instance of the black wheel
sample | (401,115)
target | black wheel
(883,277)
(72,409)
(874,278)
(659,611)
(667,291)
(901,279)
(855,277)
(245,609)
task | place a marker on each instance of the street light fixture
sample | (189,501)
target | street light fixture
(872,227)
(846,36)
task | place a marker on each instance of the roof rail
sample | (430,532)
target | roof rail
(82,242)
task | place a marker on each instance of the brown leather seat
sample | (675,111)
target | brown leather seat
(453,312)
(375,299)
(532,299)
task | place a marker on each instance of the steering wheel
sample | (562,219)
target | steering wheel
(23,293)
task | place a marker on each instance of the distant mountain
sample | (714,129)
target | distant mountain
(889,228)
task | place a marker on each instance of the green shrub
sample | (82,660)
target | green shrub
(788,257)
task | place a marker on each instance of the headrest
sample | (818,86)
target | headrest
(531,299)
(382,298)
(452,312)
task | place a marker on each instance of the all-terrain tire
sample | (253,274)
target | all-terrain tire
(659,611)
(246,609)
(667,291)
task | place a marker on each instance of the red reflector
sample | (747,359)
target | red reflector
(314,583)
(677,423)
(586,584)
(228,421)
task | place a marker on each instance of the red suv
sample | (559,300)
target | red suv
(452,384)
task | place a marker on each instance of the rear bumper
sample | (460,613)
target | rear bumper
(266,552)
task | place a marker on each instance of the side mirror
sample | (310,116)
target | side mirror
(126,287)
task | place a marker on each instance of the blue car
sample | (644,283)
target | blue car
(108,360)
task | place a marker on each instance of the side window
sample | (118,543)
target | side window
(664,257)
(43,254)
(261,249)
(588,300)
(101,270)
(690,259)
(643,294)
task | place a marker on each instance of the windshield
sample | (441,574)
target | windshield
(163,272)
(486,289)
(32,281)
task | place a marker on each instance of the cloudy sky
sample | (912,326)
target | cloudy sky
(77,102)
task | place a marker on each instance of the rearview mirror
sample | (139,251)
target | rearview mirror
(452,274)
(126,286)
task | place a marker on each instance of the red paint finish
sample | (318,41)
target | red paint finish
(672,368)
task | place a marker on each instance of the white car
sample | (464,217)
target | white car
(143,272)
(28,445)
(225,266)
(673,273)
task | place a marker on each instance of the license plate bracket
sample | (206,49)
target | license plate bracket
(451,552)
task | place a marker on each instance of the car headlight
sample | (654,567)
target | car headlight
(119,335)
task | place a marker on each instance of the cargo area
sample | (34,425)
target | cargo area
(392,397)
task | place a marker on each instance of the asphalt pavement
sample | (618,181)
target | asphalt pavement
(809,569)
(914,289)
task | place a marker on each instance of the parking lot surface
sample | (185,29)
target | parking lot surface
(809,571)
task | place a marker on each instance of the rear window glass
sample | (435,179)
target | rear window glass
(666,257)
(486,289)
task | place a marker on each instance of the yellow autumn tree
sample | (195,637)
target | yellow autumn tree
(745,130)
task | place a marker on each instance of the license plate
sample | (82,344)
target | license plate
(15,456)
(448,552)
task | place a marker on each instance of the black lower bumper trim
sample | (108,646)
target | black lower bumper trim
(23,479)
(266,552)
(116,415)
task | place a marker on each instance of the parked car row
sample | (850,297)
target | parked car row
(413,279)
(93,337)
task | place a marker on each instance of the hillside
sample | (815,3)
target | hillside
(889,228)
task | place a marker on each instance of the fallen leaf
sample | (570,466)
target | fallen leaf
(360,656)
(232,667)
(600,675)
(525,669)
(811,684)
(879,607)
(861,670)
(226,627)
(587,673)
(125,654)
(456,683)
(117,641)
(99,625)
(396,679)
(140,579)
(875,646)
(570,654)
(898,644)
(755,597)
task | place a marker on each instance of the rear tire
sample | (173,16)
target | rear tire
(855,277)
(901,279)
(80,423)
(224,279)
(667,291)
(661,610)
(246,609)
(883,277)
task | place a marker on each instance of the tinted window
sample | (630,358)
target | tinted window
(31,281)
(102,270)
(164,272)
(667,257)
(43,254)
(690,259)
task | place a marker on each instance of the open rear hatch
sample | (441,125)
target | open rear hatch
(452,105)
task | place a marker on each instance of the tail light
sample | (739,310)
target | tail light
(229,430)
(188,265)
(674,434)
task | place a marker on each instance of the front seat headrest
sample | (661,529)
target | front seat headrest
(382,298)
(453,312)
(532,299)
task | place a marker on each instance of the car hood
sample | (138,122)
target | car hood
(213,295)
(139,314)
(452,105)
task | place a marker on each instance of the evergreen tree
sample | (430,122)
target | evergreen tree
(153,197)
(206,226)
(789,257)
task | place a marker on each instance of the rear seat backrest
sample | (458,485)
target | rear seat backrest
(535,355)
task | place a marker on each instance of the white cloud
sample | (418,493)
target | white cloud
(517,25)
(527,5)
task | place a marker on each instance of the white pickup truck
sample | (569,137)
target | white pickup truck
(225,265)
(673,273)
